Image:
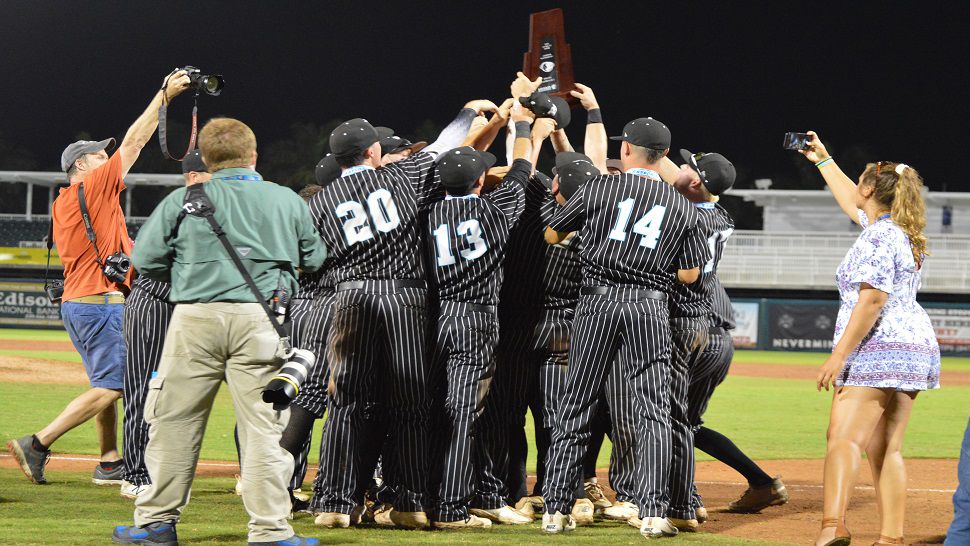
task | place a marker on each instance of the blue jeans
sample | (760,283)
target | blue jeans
(96,332)
(959,532)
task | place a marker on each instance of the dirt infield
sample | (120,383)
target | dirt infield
(15,369)
(36,345)
(929,508)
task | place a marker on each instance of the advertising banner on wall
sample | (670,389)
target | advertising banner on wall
(801,326)
(745,335)
(952,326)
(25,304)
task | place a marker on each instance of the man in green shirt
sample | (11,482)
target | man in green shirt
(220,332)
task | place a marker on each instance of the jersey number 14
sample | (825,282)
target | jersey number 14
(647,227)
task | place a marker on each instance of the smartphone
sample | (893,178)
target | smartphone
(796,141)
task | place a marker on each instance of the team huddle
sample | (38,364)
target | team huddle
(455,296)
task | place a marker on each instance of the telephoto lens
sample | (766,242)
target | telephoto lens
(284,387)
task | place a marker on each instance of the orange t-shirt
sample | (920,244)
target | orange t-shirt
(82,274)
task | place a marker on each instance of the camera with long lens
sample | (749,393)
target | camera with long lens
(54,289)
(116,266)
(285,386)
(211,84)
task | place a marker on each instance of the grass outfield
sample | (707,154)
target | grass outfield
(73,511)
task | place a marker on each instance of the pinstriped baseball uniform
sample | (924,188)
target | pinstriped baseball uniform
(147,313)
(466,238)
(637,232)
(370,222)
(690,306)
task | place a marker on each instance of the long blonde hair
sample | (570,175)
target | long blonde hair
(902,193)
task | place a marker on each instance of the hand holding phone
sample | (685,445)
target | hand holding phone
(796,141)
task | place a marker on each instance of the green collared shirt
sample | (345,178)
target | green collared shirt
(269,225)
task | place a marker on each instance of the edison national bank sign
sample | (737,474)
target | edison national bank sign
(25,304)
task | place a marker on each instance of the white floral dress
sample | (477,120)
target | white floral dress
(900,352)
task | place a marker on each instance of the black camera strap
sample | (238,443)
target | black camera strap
(197,203)
(50,245)
(163,128)
(88,226)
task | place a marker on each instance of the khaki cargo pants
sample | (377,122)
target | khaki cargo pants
(206,344)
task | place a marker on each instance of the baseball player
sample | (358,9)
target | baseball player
(639,238)
(369,218)
(701,178)
(466,235)
(310,312)
(146,317)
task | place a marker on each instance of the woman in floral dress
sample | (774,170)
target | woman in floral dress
(885,348)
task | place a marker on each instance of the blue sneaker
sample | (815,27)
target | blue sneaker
(295,540)
(159,534)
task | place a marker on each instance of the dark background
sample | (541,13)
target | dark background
(877,81)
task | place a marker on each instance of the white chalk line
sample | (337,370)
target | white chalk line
(789,486)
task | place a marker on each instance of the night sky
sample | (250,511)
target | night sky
(725,76)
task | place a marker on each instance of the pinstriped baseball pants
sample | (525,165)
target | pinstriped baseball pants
(684,332)
(376,347)
(463,367)
(616,334)
(708,370)
(146,321)
(311,325)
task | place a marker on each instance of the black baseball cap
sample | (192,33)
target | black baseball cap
(716,172)
(327,170)
(396,144)
(545,106)
(647,133)
(192,162)
(352,137)
(461,167)
(573,169)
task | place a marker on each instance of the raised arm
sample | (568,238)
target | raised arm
(595,144)
(144,127)
(842,187)
(483,138)
(455,132)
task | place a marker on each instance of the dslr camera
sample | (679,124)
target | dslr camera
(285,386)
(211,84)
(115,267)
(54,289)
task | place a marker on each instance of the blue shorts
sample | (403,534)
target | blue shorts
(97,334)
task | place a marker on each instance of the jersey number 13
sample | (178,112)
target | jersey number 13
(471,230)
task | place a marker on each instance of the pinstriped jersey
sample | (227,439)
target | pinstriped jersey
(369,219)
(466,238)
(157,289)
(636,231)
(722,314)
(538,274)
(715,226)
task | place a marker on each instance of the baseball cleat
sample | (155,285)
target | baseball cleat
(756,499)
(595,493)
(505,514)
(557,523)
(132,491)
(159,534)
(409,520)
(525,507)
(295,540)
(583,510)
(471,522)
(382,515)
(332,520)
(701,514)
(657,528)
(685,525)
(238,488)
(621,511)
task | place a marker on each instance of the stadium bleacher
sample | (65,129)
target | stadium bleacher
(17,231)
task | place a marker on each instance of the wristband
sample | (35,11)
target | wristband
(594,116)
(825,162)
(522,129)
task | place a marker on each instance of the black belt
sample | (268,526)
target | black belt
(716,331)
(476,307)
(635,292)
(357,285)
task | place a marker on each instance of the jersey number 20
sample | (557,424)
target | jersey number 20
(647,227)
(383,214)
(471,230)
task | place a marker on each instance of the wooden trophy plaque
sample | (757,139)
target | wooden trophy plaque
(549,55)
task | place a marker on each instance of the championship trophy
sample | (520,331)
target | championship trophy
(549,55)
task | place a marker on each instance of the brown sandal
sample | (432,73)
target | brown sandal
(842,536)
(889,541)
